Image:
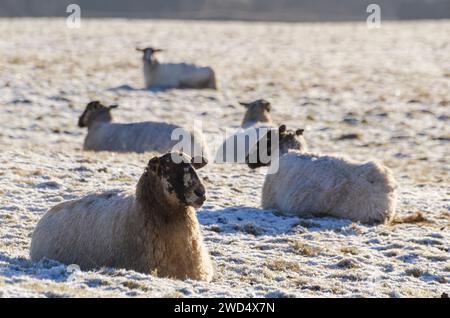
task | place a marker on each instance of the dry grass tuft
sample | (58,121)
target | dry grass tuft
(417,217)
(174,294)
(134,285)
(305,249)
(414,272)
(349,250)
(215,228)
(347,264)
(282,265)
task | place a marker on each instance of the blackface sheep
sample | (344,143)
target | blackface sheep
(276,142)
(257,122)
(103,135)
(153,230)
(171,75)
(312,185)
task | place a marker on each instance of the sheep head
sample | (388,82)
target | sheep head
(179,181)
(377,184)
(257,111)
(373,174)
(95,111)
(287,140)
(148,53)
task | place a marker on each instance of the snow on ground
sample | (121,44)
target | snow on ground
(390,88)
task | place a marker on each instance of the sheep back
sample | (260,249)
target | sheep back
(315,185)
(137,137)
(89,232)
(110,230)
(182,75)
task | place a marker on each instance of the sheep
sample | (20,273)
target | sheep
(257,120)
(258,114)
(103,135)
(171,75)
(286,140)
(153,231)
(309,184)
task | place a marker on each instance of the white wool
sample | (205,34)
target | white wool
(307,184)
(121,230)
(139,137)
(170,75)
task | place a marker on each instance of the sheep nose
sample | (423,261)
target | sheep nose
(200,193)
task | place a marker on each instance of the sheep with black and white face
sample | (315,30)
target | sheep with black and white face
(317,185)
(155,229)
(256,123)
(104,135)
(275,142)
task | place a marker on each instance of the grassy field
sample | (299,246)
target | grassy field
(389,88)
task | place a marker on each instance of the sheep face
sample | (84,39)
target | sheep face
(95,111)
(377,184)
(179,180)
(148,53)
(257,111)
(287,140)
(378,178)
(290,139)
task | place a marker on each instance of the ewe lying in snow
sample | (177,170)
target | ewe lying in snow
(285,140)
(257,120)
(155,229)
(170,75)
(134,137)
(308,184)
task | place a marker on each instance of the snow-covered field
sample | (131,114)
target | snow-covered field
(389,88)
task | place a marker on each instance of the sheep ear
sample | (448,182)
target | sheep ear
(153,164)
(299,132)
(93,104)
(139,49)
(199,162)
(113,107)
(282,129)
(157,50)
(244,104)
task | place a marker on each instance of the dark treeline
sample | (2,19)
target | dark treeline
(273,10)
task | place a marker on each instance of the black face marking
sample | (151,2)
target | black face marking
(288,140)
(265,140)
(181,177)
(94,109)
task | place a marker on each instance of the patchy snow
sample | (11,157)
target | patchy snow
(387,87)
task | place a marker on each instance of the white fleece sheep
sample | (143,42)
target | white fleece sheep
(103,135)
(308,184)
(171,75)
(155,229)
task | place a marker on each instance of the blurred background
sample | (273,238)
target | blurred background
(266,10)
